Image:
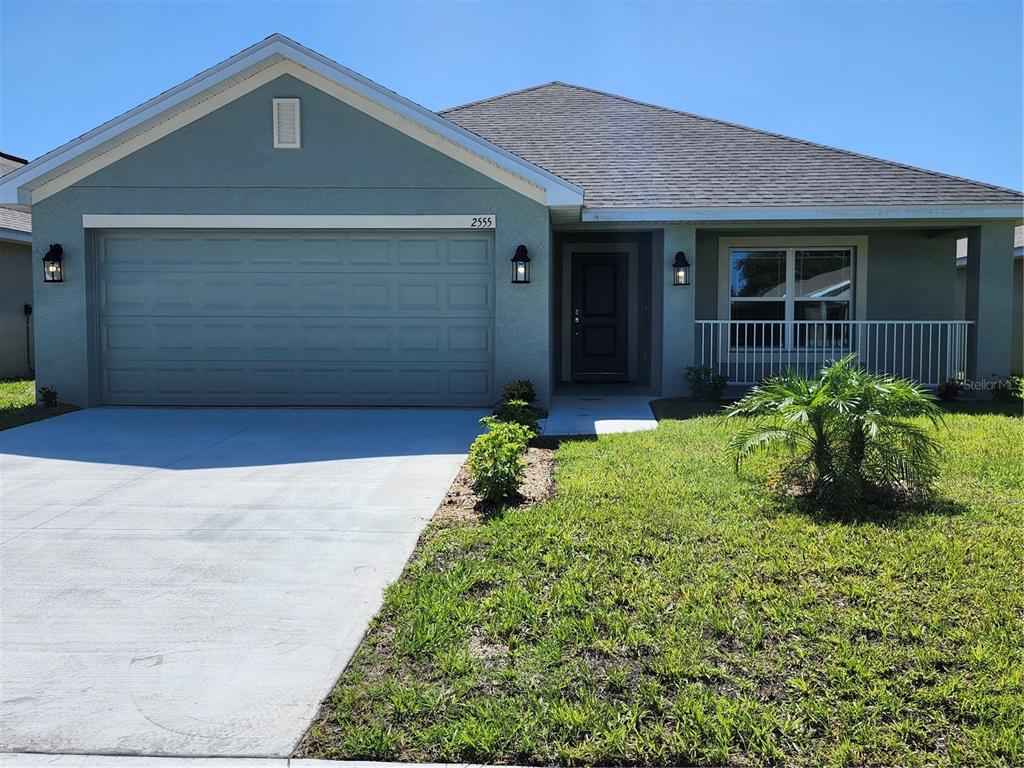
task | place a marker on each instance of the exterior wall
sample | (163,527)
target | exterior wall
(679,305)
(910,276)
(15,292)
(988,299)
(705,277)
(349,163)
(1017,338)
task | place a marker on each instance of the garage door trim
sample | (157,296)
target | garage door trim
(477,221)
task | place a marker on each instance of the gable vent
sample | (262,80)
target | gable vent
(287,126)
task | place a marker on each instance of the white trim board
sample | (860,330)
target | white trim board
(483,222)
(807,213)
(241,74)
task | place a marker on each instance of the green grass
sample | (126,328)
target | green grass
(18,404)
(662,610)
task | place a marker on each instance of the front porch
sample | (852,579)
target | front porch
(760,300)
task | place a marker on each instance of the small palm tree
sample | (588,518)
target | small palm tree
(848,431)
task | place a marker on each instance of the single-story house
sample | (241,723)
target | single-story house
(15,285)
(1017,313)
(281,230)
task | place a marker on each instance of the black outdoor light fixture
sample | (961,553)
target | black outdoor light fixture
(680,270)
(521,265)
(53,264)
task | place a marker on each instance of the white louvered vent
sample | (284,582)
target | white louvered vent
(287,125)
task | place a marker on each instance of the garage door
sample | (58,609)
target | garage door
(311,318)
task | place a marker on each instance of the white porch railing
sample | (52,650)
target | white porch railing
(749,351)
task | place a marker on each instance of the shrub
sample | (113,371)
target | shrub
(1009,389)
(496,459)
(950,390)
(521,389)
(704,383)
(48,396)
(519,412)
(847,432)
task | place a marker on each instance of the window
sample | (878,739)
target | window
(287,124)
(790,296)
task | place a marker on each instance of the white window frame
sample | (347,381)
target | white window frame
(298,123)
(857,244)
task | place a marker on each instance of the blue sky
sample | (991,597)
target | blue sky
(934,84)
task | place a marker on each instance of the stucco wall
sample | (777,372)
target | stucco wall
(349,163)
(910,276)
(15,293)
(1017,339)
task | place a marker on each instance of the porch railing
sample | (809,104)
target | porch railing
(749,351)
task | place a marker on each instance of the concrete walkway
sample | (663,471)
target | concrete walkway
(192,581)
(598,415)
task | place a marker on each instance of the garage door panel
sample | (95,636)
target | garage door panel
(219,294)
(360,318)
(371,253)
(201,340)
(352,384)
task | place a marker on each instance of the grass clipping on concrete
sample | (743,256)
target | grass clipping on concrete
(661,610)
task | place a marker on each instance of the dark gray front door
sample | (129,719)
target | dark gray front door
(599,331)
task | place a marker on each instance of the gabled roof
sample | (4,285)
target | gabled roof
(14,225)
(241,73)
(628,154)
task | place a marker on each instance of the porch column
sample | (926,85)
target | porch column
(989,296)
(677,307)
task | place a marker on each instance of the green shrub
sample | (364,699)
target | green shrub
(950,390)
(1009,389)
(848,433)
(496,459)
(521,389)
(704,383)
(519,412)
(48,396)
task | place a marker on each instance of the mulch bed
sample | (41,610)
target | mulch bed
(461,503)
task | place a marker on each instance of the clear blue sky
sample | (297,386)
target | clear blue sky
(934,84)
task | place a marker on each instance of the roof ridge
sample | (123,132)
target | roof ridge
(806,142)
(478,102)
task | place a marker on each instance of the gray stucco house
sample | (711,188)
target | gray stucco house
(279,230)
(15,284)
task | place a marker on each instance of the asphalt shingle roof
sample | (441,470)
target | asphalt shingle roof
(625,153)
(18,221)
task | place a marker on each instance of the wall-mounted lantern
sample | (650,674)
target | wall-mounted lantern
(521,265)
(680,270)
(53,264)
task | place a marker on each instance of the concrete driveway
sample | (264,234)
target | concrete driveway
(192,581)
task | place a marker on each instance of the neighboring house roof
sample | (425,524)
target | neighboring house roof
(1018,247)
(240,74)
(13,223)
(626,153)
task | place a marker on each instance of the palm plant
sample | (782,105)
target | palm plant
(849,432)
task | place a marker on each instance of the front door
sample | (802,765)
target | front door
(599,331)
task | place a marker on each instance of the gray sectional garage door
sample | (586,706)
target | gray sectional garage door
(295,317)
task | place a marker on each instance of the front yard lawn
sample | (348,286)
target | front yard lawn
(18,404)
(662,611)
